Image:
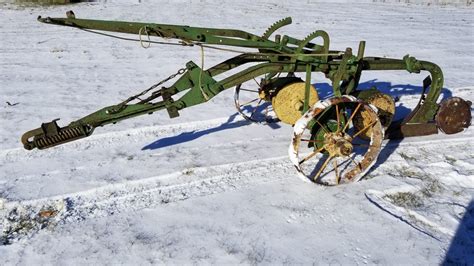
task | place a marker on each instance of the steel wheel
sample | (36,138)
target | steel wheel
(328,149)
(252,104)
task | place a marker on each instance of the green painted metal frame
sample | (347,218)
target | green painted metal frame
(284,55)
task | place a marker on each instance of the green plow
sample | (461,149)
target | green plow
(335,140)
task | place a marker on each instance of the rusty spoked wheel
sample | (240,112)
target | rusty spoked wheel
(252,104)
(328,149)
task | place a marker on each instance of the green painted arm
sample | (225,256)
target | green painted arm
(215,36)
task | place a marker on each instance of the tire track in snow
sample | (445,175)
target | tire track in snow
(188,150)
(131,135)
(70,165)
(144,193)
(198,174)
(408,216)
(136,195)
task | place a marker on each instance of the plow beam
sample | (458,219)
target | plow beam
(187,34)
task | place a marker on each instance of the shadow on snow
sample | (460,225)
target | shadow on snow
(461,250)
(324,91)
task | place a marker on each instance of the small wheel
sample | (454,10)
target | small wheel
(252,104)
(328,149)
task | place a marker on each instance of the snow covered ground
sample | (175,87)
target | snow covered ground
(208,187)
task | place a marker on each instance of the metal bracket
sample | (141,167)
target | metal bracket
(50,128)
(170,108)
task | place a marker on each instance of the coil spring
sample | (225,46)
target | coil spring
(63,136)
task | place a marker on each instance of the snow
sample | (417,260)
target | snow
(208,187)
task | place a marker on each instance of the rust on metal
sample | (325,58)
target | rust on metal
(454,115)
(374,149)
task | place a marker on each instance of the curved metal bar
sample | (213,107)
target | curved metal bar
(427,110)
(319,33)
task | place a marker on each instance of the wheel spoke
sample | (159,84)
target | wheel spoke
(352,116)
(336,169)
(310,140)
(249,102)
(258,84)
(322,167)
(323,127)
(311,155)
(342,162)
(255,109)
(248,90)
(364,129)
(356,164)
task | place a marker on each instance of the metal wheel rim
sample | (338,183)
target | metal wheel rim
(251,118)
(363,166)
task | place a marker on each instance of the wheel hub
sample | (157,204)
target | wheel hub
(337,144)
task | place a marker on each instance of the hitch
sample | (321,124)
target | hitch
(50,135)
